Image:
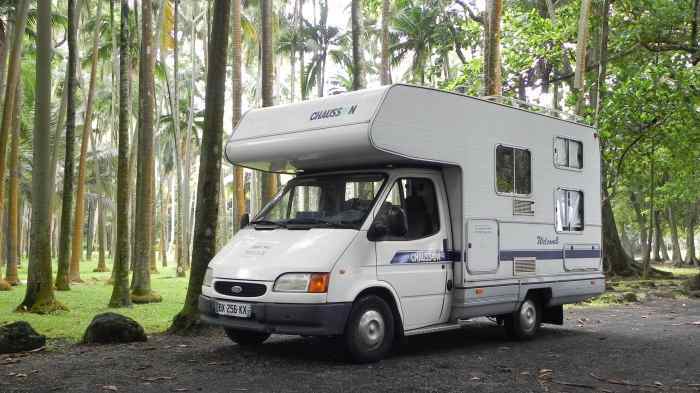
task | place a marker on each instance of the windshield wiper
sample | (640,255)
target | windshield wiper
(319,224)
(267,223)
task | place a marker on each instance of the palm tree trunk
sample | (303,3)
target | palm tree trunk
(385,70)
(492,53)
(581,44)
(358,63)
(209,168)
(78,221)
(658,237)
(13,198)
(141,285)
(163,226)
(120,267)
(676,259)
(269,186)
(13,74)
(237,88)
(101,262)
(39,297)
(690,258)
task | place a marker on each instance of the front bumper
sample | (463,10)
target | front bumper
(326,319)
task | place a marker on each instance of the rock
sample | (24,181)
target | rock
(111,328)
(19,337)
(630,297)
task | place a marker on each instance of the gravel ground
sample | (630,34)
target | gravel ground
(652,347)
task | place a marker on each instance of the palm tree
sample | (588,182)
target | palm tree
(13,198)
(492,48)
(141,282)
(385,70)
(39,297)
(358,68)
(78,221)
(120,268)
(62,275)
(13,71)
(415,26)
(209,167)
(269,183)
(237,90)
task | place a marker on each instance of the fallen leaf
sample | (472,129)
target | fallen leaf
(154,379)
(475,379)
(21,375)
(110,388)
(180,390)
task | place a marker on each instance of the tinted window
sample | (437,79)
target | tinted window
(417,199)
(513,170)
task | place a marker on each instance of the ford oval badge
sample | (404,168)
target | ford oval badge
(236,289)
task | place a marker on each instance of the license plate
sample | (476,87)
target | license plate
(240,310)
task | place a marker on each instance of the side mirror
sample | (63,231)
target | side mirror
(245,220)
(376,231)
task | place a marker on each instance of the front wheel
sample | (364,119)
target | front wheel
(246,338)
(369,334)
(524,323)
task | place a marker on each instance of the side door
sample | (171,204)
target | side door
(417,264)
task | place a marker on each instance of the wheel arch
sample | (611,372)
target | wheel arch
(389,295)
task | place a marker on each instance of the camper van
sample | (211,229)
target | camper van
(411,211)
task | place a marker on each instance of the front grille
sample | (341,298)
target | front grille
(247,289)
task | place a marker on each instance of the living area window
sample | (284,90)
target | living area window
(568,210)
(568,153)
(513,170)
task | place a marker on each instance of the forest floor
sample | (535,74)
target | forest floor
(650,345)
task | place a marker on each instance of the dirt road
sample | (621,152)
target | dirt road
(653,347)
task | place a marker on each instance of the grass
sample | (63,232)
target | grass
(87,299)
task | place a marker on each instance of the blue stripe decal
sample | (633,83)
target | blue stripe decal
(425,256)
(509,255)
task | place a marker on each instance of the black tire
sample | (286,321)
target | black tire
(369,333)
(525,321)
(246,338)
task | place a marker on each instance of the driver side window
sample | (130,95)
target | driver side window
(413,200)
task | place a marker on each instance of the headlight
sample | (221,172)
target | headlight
(208,277)
(302,282)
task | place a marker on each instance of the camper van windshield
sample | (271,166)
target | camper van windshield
(329,201)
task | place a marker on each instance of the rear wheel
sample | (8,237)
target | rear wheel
(369,334)
(246,338)
(524,323)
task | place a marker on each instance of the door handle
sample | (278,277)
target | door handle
(449,285)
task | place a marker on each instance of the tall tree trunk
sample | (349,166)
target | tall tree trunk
(358,62)
(141,285)
(120,267)
(237,89)
(13,209)
(163,226)
(269,186)
(78,221)
(13,74)
(643,228)
(209,168)
(385,70)
(89,234)
(492,52)
(581,44)
(39,297)
(101,262)
(615,260)
(690,258)
(303,90)
(152,233)
(62,275)
(658,237)
(187,150)
(676,260)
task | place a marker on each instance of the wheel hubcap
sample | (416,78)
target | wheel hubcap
(371,329)
(528,315)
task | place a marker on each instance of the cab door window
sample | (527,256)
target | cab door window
(415,200)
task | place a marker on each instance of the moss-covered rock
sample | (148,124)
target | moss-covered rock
(110,328)
(20,337)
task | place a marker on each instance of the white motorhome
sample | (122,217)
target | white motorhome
(412,210)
